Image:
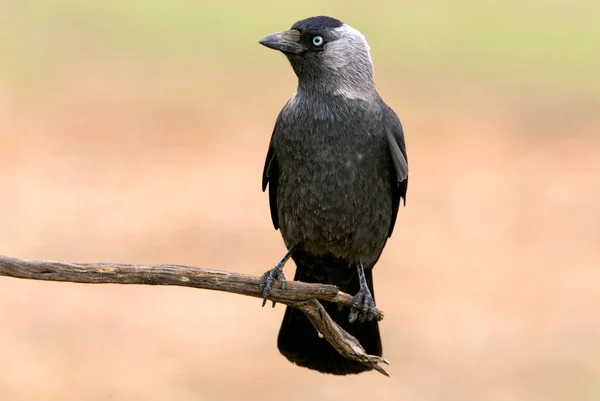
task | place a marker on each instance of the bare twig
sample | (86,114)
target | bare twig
(297,294)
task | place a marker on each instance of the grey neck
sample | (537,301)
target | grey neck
(351,83)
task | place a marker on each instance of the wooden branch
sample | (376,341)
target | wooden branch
(297,294)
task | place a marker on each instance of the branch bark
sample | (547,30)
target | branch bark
(297,294)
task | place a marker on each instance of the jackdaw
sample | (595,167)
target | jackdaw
(336,170)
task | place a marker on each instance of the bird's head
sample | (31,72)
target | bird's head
(327,56)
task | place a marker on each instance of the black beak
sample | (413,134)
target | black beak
(286,41)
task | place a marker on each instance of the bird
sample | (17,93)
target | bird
(337,170)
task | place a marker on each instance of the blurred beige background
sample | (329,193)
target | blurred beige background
(136,132)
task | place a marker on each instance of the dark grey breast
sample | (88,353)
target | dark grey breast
(333,185)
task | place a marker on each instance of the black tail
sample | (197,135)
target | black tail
(298,340)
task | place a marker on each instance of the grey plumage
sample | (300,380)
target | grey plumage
(333,192)
(336,169)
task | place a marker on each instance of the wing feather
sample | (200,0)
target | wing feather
(399,166)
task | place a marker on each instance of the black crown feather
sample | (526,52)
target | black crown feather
(316,23)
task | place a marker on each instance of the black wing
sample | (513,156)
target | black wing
(399,168)
(271,175)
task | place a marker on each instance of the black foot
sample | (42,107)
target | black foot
(266,281)
(363,307)
(276,273)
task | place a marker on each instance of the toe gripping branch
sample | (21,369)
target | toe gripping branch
(276,273)
(363,305)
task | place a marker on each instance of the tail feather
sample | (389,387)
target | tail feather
(298,340)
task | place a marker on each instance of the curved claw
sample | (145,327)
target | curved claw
(363,307)
(266,282)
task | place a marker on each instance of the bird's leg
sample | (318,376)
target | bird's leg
(276,273)
(363,306)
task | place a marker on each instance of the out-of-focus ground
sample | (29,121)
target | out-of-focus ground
(136,132)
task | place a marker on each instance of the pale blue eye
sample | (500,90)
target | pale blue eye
(317,41)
